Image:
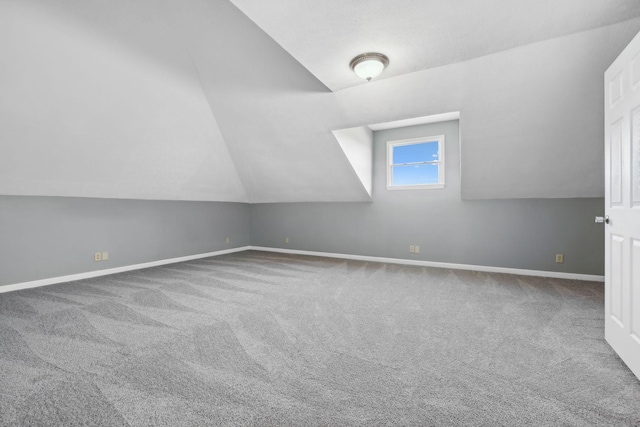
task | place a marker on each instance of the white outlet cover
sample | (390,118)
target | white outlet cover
(417,249)
(105,256)
(97,256)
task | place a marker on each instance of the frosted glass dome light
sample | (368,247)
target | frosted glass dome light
(369,65)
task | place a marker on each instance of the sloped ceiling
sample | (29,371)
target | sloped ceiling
(98,101)
(191,100)
(419,34)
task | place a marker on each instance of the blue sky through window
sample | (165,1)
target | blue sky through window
(415,174)
(425,152)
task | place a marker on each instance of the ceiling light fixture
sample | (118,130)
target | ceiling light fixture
(369,65)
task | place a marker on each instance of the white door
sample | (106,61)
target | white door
(622,205)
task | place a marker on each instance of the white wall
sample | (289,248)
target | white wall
(82,114)
(357,144)
(160,100)
(531,117)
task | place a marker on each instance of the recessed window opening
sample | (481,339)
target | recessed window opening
(416,163)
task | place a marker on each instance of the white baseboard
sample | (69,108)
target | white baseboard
(97,273)
(518,271)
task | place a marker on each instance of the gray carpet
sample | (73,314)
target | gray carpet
(266,339)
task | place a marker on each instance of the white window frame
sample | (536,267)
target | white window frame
(412,141)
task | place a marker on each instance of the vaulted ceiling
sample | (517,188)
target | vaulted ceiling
(417,34)
(239,101)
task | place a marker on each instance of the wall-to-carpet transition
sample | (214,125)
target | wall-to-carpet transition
(266,339)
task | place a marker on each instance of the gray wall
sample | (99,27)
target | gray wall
(513,233)
(44,237)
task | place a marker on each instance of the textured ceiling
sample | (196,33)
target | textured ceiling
(419,34)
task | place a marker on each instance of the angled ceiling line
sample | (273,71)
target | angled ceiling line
(325,36)
(247,193)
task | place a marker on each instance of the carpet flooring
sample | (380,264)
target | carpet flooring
(266,339)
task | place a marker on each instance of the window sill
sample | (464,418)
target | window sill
(416,187)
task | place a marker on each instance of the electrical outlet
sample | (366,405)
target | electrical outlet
(417,249)
(559,258)
(227,240)
(105,256)
(412,249)
(97,256)
(286,240)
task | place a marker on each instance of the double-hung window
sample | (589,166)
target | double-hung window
(416,163)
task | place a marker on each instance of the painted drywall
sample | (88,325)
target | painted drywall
(46,237)
(416,34)
(84,113)
(357,144)
(511,233)
(162,100)
(534,113)
(276,117)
